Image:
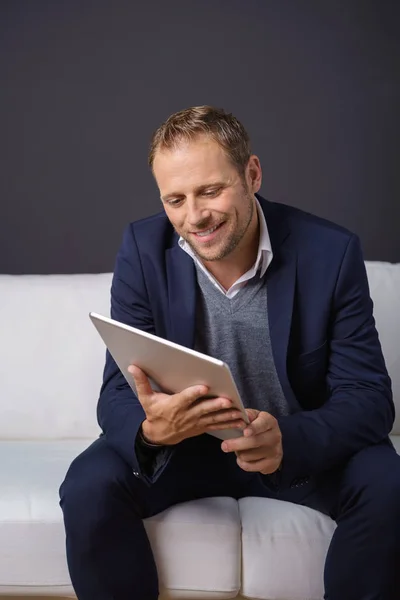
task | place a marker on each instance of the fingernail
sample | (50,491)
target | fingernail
(247,432)
(131,370)
(224,447)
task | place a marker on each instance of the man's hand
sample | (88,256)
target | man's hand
(173,418)
(260,448)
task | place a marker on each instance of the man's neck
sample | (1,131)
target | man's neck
(228,270)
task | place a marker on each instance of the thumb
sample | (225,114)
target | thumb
(252,413)
(143,387)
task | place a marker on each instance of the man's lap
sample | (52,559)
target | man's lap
(200,469)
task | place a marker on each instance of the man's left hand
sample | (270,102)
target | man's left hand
(260,448)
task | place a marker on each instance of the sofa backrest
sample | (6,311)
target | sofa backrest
(52,358)
(384,284)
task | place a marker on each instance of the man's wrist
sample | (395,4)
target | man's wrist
(145,438)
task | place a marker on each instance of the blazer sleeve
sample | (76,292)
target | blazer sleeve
(360,410)
(119,411)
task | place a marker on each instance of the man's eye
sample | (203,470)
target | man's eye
(210,193)
(175,201)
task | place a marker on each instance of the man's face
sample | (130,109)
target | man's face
(205,198)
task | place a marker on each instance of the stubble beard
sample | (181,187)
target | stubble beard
(233,240)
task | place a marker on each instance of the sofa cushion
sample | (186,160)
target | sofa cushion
(197,548)
(284,547)
(191,541)
(32,549)
(51,365)
(196,544)
(384,284)
(396,442)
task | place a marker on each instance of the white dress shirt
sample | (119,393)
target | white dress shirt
(263,260)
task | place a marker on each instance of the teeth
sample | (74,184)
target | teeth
(208,231)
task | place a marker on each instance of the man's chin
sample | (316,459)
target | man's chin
(215,251)
(209,255)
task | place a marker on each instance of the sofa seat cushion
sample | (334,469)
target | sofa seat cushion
(32,549)
(197,549)
(396,442)
(284,547)
(196,544)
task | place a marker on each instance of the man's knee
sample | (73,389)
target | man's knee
(95,477)
(372,482)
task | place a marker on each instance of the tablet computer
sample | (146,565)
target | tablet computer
(170,367)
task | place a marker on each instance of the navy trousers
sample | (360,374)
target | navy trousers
(109,555)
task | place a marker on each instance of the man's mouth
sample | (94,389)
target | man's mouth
(207,234)
(208,231)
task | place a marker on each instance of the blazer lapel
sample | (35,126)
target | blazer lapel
(182,286)
(281,285)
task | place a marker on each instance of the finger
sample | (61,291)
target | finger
(262,423)
(252,413)
(239,424)
(189,395)
(242,443)
(220,417)
(265,466)
(207,406)
(143,387)
(254,454)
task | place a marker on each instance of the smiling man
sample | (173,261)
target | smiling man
(282,297)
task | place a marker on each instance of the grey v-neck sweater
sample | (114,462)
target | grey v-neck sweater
(236,331)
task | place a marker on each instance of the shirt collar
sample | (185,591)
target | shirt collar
(264,254)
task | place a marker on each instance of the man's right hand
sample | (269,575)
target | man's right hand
(173,418)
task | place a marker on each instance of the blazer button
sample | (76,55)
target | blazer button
(299,482)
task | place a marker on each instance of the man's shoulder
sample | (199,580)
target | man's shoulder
(310,231)
(303,220)
(155,221)
(153,231)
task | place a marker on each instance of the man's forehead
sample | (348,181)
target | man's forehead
(200,149)
(195,167)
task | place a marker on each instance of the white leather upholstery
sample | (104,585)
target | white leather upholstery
(283,548)
(196,544)
(211,564)
(384,283)
(51,362)
(32,554)
(32,546)
(51,356)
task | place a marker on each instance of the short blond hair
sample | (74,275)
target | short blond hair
(222,127)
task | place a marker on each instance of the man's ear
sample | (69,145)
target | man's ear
(254,174)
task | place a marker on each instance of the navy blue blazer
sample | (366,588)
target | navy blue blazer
(325,345)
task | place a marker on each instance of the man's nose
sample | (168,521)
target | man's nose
(196,213)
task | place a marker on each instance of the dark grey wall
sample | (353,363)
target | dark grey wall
(84,84)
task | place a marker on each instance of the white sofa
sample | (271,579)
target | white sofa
(51,361)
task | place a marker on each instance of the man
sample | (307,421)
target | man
(282,297)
